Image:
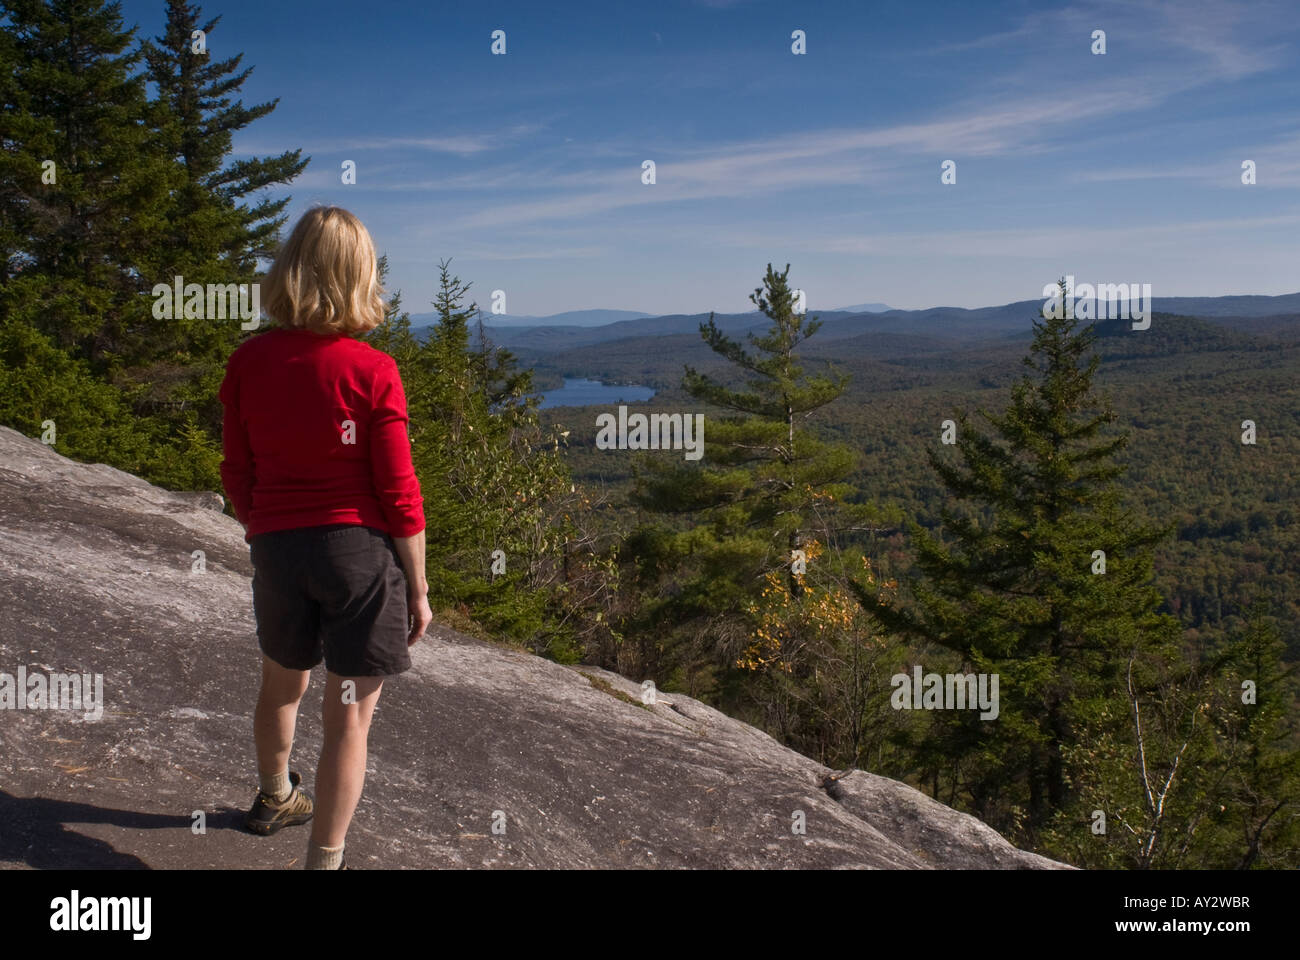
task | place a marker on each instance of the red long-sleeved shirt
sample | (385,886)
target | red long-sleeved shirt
(287,395)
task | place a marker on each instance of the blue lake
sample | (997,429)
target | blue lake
(580,392)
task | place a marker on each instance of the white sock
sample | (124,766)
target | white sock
(277,785)
(324,858)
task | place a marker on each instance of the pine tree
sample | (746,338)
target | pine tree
(1017,589)
(764,487)
(12,116)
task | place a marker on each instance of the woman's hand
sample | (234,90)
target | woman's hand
(417,605)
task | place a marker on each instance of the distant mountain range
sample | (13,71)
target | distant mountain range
(585,328)
(596,318)
(572,318)
(865,308)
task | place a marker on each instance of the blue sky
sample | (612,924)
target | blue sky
(525,169)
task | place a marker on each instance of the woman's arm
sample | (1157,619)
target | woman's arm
(410,550)
(398,490)
(391,470)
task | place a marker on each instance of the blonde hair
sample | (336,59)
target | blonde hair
(326,277)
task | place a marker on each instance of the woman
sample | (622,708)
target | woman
(318,469)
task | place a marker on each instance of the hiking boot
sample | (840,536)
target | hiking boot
(269,815)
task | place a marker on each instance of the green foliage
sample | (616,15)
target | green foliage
(1182,389)
(1256,729)
(198,119)
(88,181)
(40,383)
(1144,761)
(491,480)
(1181,399)
(1200,769)
(747,602)
(136,196)
(1016,590)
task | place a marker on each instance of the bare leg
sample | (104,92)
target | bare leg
(276,715)
(342,770)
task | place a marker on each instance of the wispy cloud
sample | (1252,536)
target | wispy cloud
(461,144)
(835,161)
(1277,165)
(987,124)
(1210,28)
(538,253)
(828,158)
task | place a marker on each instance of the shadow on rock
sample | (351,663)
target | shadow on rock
(35,831)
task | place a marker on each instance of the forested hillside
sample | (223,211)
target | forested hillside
(1183,387)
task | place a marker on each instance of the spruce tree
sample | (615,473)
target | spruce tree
(1016,587)
(88,185)
(200,117)
(212,235)
(83,209)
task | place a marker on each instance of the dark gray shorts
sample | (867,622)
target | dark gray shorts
(337,590)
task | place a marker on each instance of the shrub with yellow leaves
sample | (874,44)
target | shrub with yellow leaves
(825,610)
